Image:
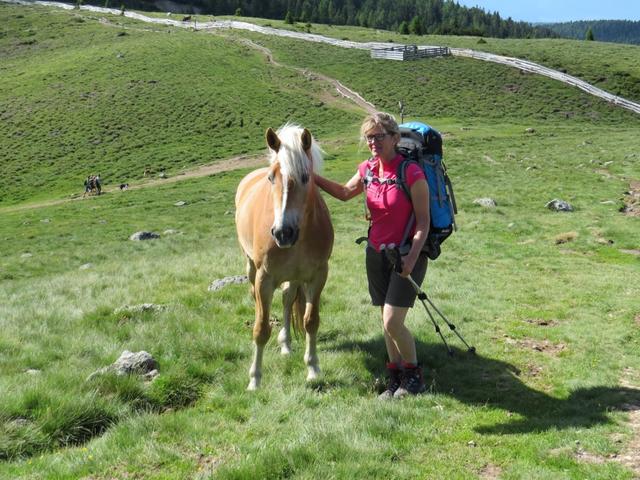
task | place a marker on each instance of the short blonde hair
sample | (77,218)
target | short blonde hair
(383,120)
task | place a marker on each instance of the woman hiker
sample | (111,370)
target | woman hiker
(390,211)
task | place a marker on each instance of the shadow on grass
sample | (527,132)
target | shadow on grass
(478,380)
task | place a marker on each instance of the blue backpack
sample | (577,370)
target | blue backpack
(422,144)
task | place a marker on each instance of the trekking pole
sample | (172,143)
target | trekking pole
(393,254)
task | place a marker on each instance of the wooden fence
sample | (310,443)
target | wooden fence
(528,66)
(409,52)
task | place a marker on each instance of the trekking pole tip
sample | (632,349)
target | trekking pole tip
(472,350)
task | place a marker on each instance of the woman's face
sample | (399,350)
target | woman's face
(381,143)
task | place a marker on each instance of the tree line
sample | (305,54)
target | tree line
(420,17)
(618,31)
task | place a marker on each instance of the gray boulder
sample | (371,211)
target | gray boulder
(485,202)
(140,363)
(223,282)
(139,236)
(559,206)
(132,363)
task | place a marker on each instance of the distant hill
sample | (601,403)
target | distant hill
(617,31)
(437,17)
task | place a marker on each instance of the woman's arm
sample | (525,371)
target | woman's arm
(420,201)
(342,192)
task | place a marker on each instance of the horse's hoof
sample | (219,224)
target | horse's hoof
(254,383)
(285,350)
(313,373)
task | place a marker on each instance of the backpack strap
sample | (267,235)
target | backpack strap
(366,181)
(401,182)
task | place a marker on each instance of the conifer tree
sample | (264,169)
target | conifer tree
(288,18)
(415,26)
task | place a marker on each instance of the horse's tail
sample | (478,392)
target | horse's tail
(297,312)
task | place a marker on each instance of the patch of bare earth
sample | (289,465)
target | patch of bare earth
(490,472)
(630,456)
(541,322)
(544,346)
(632,200)
(207,466)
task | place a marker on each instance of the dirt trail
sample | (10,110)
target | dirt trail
(234,163)
(346,92)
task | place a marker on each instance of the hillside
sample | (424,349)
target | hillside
(124,117)
(548,299)
(117,102)
(616,31)
(609,66)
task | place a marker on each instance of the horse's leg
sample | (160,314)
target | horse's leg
(312,321)
(284,337)
(263,292)
(251,275)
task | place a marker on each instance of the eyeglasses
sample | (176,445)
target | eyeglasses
(378,137)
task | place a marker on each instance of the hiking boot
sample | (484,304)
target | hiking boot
(412,382)
(395,379)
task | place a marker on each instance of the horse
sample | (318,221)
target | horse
(284,229)
(92,185)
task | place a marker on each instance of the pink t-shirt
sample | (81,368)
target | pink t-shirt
(389,206)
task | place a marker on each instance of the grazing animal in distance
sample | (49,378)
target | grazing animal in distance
(92,185)
(285,231)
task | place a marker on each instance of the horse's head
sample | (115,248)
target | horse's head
(294,155)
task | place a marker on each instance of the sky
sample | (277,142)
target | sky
(559,10)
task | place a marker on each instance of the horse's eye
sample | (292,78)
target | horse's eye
(271,178)
(305,178)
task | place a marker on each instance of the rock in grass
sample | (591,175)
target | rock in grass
(559,206)
(134,362)
(223,282)
(139,236)
(485,202)
(131,363)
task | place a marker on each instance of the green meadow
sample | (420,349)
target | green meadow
(550,300)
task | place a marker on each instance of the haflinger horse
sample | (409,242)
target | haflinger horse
(285,231)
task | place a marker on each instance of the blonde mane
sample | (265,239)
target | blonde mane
(292,158)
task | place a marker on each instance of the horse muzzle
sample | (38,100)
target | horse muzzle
(285,236)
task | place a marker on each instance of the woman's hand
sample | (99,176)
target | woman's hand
(408,262)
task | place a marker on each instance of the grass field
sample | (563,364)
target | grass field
(550,300)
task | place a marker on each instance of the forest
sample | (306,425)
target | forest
(420,17)
(618,31)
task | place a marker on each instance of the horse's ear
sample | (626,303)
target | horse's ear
(306,140)
(272,140)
